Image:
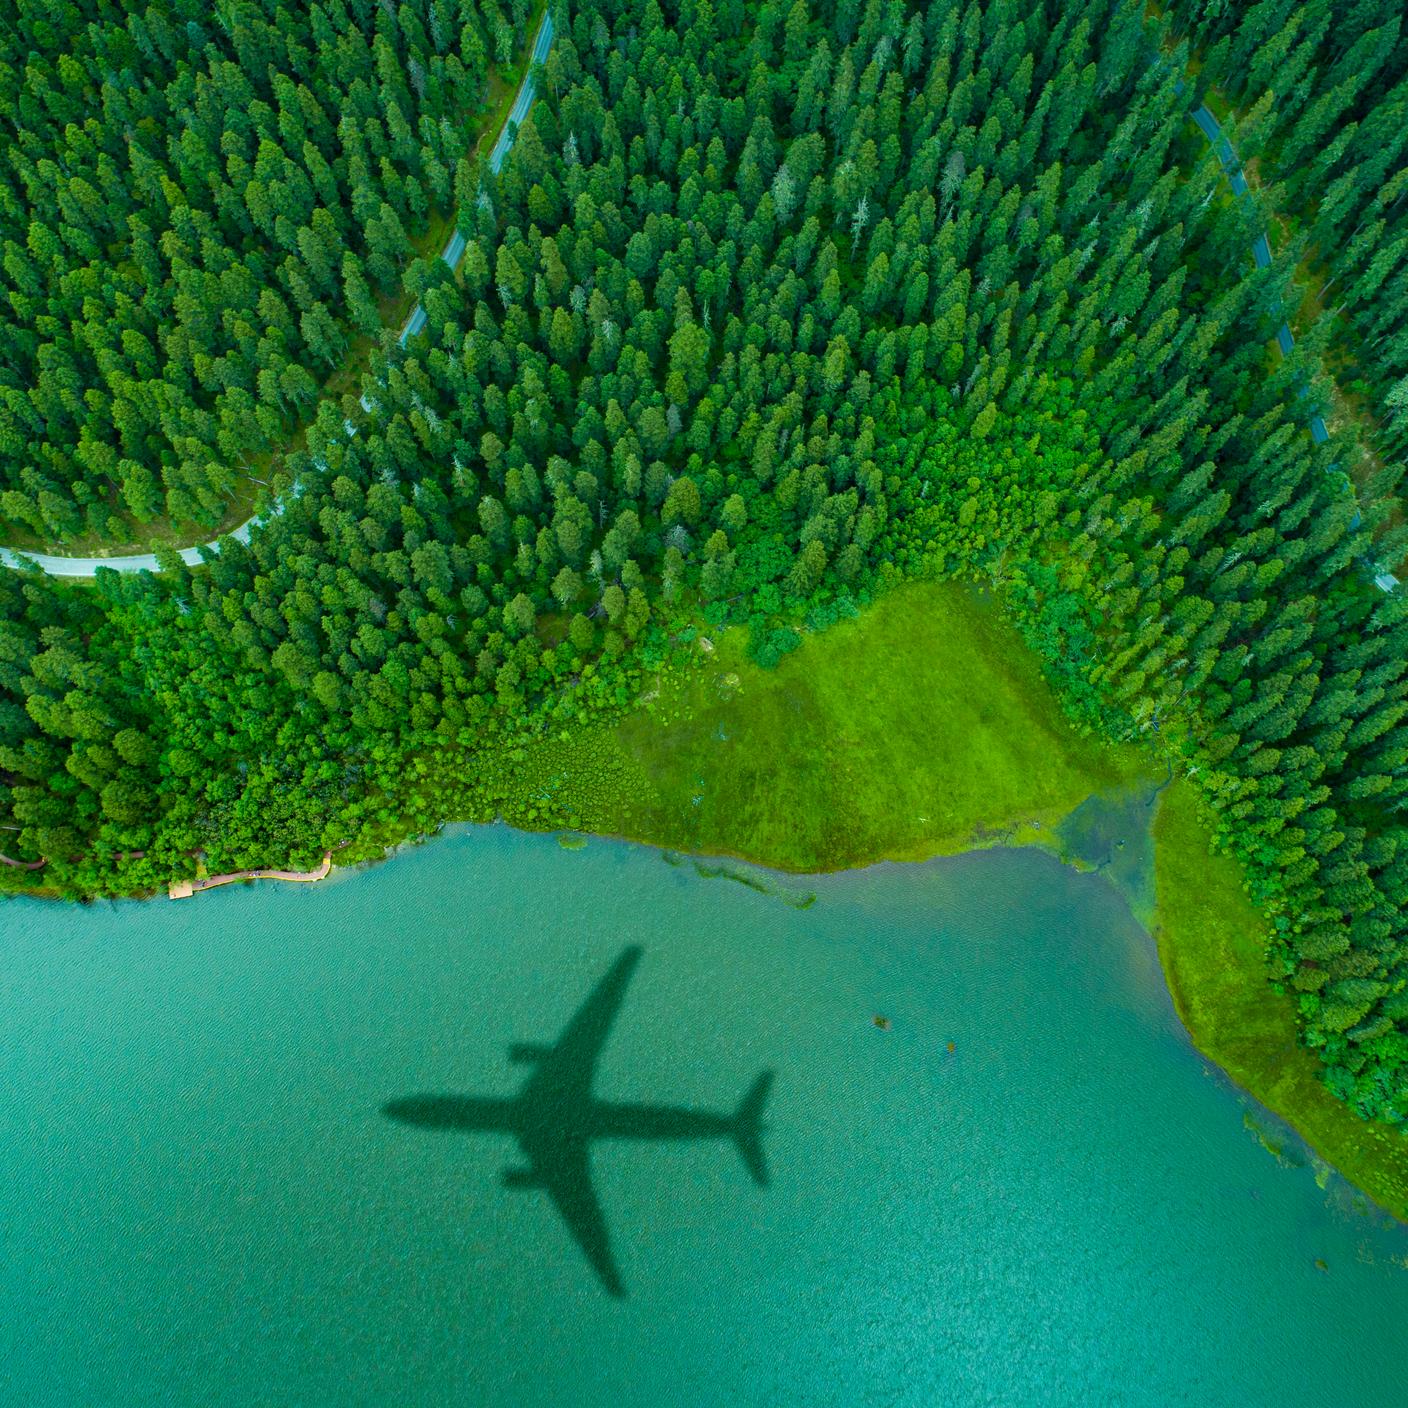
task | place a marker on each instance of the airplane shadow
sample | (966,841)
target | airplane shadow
(555,1118)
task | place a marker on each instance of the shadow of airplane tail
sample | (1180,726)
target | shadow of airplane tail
(748,1128)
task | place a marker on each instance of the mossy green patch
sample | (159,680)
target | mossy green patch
(921,728)
(1212,942)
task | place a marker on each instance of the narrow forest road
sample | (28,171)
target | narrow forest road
(59,565)
(1261,257)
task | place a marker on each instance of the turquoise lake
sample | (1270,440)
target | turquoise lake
(204,1201)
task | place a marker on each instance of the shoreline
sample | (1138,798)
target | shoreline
(922,729)
(1045,838)
(1037,834)
(185,889)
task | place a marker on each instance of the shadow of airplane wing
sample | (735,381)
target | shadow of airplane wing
(566,1069)
(562,1170)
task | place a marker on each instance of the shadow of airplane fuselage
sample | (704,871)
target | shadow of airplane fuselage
(555,1118)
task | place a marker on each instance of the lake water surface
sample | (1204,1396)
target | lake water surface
(202,1200)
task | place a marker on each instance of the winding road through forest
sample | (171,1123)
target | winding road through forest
(1261,257)
(59,565)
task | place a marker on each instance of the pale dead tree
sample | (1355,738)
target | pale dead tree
(955,169)
(784,193)
(859,221)
(913,49)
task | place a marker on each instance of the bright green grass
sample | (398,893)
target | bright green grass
(922,728)
(1212,943)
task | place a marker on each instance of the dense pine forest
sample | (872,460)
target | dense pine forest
(201,206)
(770,306)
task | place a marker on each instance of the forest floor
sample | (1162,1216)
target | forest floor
(924,728)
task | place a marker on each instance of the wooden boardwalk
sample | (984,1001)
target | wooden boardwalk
(184,889)
(23,864)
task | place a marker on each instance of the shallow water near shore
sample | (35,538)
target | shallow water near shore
(203,1201)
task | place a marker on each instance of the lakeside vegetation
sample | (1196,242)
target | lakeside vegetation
(922,728)
(1213,942)
(772,308)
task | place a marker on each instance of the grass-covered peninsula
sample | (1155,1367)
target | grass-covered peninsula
(1212,942)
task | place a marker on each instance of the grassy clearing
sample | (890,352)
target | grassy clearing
(923,728)
(1212,944)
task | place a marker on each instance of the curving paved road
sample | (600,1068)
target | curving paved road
(58,565)
(1261,257)
(61,566)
